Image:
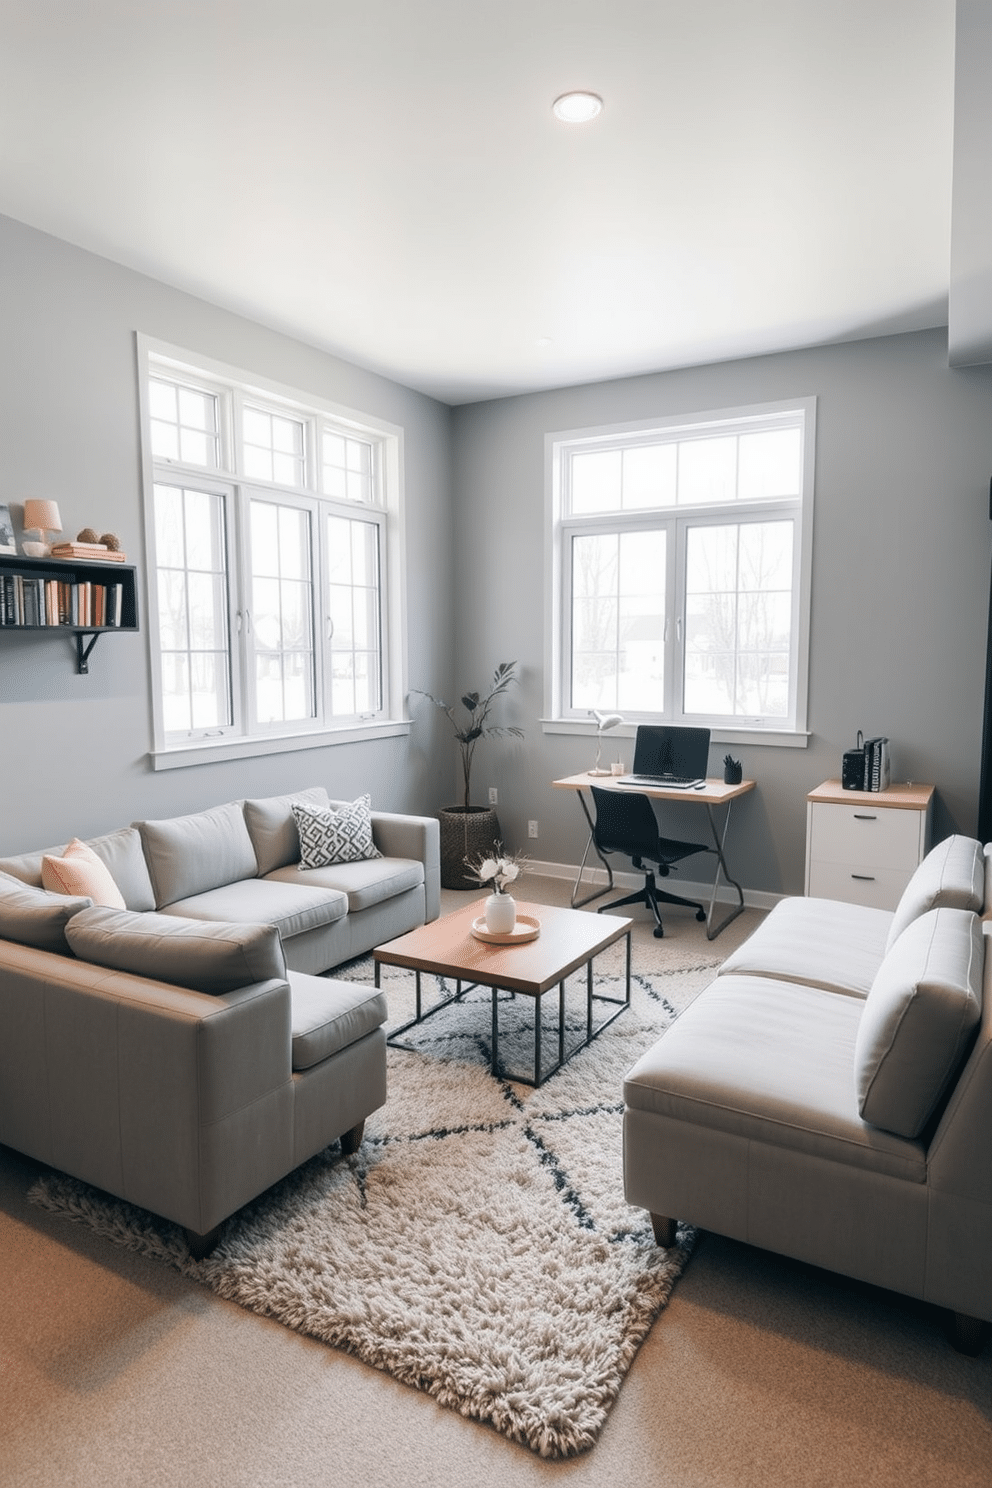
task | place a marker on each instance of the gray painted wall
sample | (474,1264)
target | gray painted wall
(73,750)
(900,569)
(901,556)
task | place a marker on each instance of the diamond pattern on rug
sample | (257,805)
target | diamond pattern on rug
(477,1247)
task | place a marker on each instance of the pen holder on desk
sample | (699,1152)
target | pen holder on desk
(733,771)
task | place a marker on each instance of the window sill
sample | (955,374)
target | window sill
(207,752)
(776,738)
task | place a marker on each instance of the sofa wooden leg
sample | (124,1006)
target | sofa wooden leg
(200,1246)
(352,1140)
(664,1230)
(967,1333)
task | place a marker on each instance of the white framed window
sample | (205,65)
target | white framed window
(679,570)
(275,557)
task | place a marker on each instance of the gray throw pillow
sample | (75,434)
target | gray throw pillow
(918,1020)
(341,834)
(204,955)
(272,826)
(33,917)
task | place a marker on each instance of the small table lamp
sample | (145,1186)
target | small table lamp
(604,721)
(41,517)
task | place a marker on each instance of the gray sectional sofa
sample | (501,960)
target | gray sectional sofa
(829,1095)
(181,1052)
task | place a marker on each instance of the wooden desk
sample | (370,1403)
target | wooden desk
(713,793)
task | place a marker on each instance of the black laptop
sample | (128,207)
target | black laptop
(669,756)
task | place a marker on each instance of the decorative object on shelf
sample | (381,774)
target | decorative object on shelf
(7,543)
(41,517)
(88,535)
(468,830)
(111,540)
(93,552)
(604,721)
(733,770)
(497,872)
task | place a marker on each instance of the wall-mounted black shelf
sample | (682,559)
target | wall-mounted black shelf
(67,596)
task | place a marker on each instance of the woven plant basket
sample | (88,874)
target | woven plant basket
(465,834)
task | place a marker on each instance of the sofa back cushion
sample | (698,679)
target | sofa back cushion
(121,853)
(272,827)
(204,955)
(188,855)
(951,876)
(918,1020)
(33,917)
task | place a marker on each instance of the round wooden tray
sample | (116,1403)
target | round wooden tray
(526,928)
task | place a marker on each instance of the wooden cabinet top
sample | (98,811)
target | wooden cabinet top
(906,797)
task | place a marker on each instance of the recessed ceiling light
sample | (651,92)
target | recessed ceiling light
(577,108)
(543,341)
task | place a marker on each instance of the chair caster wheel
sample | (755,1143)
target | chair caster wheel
(659,933)
(700,915)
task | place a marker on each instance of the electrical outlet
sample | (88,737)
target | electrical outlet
(493,796)
(532,829)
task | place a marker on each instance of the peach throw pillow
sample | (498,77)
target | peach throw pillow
(80,871)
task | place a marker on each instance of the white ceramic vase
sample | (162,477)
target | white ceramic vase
(501,914)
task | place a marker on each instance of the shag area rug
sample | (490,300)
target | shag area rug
(478,1246)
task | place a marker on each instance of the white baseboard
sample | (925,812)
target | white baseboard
(593,877)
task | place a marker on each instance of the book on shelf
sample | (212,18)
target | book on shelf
(29,600)
(877,766)
(92,551)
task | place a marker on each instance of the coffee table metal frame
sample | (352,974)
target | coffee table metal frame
(473,963)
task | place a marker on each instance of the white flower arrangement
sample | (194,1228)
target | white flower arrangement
(496,871)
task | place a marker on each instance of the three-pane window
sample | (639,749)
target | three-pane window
(269,563)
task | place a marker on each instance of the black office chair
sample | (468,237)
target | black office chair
(626,823)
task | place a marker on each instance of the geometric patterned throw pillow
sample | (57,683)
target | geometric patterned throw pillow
(340,834)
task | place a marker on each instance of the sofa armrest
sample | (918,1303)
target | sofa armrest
(419,837)
(175,1100)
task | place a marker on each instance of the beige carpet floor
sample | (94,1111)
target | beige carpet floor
(116,1370)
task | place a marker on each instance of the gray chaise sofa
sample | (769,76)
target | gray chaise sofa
(829,1095)
(181,1053)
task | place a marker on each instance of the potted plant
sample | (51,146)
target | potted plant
(468,829)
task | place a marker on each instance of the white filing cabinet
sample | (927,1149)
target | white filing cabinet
(862,846)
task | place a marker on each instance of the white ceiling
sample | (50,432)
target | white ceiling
(384,179)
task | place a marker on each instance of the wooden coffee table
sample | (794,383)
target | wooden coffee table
(569,939)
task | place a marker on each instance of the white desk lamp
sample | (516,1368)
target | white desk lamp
(604,721)
(41,517)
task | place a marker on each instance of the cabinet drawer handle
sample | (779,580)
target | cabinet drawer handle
(859,816)
(864,877)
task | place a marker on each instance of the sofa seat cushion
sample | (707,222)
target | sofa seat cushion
(272,826)
(819,942)
(328,1015)
(919,1020)
(292,908)
(33,917)
(951,876)
(366,883)
(213,957)
(771,1062)
(189,855)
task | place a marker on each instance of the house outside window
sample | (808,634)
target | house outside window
(680,559)
(274,546)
